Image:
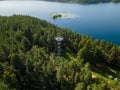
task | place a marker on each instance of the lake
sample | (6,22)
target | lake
(101,21)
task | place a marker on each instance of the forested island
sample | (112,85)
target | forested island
(84,1)
(63,15)
(28,59)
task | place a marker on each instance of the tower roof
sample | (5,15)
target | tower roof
(59,38)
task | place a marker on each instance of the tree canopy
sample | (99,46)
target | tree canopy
(28,58)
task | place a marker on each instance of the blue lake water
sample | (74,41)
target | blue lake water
(101,21)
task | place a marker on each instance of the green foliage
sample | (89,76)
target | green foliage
(114,85)
(28,60)
(3,86)
(80,86)
(9,78)
(101,86)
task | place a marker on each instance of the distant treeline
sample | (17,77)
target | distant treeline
(85,1)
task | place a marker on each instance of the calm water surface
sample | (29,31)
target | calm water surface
(101,21)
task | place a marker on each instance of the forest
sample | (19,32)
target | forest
(28,59)
(85,1)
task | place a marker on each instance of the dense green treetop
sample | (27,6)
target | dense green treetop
(28,58)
